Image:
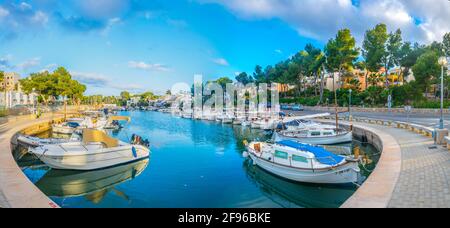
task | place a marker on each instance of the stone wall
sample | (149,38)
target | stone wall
(377,110)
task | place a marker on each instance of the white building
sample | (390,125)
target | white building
(12,95)
(133,101)
(329,81)
(16,98)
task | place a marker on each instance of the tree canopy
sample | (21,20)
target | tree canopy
(426,69)
(341,52)
(374,47)
(446,44)
(52,85)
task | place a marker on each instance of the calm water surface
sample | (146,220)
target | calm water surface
(193,164)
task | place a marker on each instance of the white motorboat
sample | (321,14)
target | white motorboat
(266,124)
(96,151)
(303,130)
(210,116)
(316,136)
(113,122)
(65,128)
(246,123)
(302,124)
(35,141)
(239,120)
(186,115)
(304,163)
(225,118)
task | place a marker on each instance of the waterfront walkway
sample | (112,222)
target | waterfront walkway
(425,172)
(16,190)
(423,179)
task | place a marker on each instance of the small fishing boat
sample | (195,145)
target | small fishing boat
(96,150)
(304,163)
(316,136)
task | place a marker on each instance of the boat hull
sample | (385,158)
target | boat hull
(344,138)
(93,160)
(343,174)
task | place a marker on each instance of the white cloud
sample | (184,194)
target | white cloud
(102,9)
(320,19)
(5,62)
(29,64)
(3,12)
(278,51)
(25,6)
(91,79)
(50,67)
(96,80)
(148,66)
(129,87)
(221,61)
(40,18)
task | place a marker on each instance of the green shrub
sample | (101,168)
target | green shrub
(431,104)
(3,112)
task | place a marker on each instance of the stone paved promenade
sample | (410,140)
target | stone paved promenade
(15,188)
(425,172)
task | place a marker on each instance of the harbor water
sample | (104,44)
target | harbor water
(193,164)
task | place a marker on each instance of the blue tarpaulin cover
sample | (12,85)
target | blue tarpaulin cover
(73,124)
(322,155)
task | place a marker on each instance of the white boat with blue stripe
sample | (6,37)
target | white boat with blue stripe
(304,163)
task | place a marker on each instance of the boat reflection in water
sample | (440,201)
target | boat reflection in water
(288,194)
(94,185)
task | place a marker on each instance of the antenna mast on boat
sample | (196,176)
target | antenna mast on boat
(335,103)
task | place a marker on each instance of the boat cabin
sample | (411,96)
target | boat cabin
(297,155)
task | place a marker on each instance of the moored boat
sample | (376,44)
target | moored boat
(266,124)
(316,136)
(304,163)
(96,150)
(35,141)
(65,128)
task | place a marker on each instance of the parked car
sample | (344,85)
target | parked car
(298,108)
(286,107)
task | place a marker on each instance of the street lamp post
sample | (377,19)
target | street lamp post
(350,106)
(443,63)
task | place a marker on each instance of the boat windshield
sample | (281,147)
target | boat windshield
(96,136)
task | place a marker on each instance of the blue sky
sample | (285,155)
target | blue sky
(115,45)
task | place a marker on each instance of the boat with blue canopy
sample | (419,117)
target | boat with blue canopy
(304,163)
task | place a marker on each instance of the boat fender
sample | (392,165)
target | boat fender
(134,152)
(245,154)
